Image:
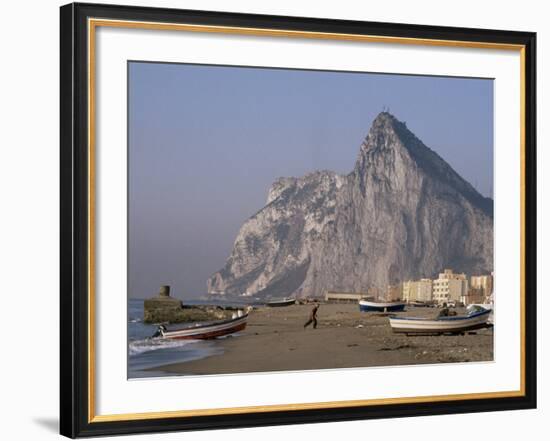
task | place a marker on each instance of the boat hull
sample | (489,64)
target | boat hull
(420,305)
(443,325)
(208,331)
(281,303)
(366,306)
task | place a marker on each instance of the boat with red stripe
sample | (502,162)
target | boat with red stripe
(205,331)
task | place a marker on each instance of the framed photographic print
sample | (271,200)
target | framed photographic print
(275,220)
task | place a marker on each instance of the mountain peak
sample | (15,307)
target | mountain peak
(388,135)
(381,143)
(384,118)
(383,133)
(387,121)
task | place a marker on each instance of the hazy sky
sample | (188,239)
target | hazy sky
(206,142)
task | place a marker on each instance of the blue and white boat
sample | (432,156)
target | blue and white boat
(488,306)
(477,318)
(369,306)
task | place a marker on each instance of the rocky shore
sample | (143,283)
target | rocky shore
(166,309)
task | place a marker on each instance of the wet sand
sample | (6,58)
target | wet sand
(275,340)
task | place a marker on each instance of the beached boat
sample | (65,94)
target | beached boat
(281,302)
(370,306)
(420,304)
(475,319)
(488,306)
(204,331)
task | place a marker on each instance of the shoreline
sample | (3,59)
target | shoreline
(275,340)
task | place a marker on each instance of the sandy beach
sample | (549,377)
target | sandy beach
(275,340)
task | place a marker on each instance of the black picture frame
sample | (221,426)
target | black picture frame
(75,417)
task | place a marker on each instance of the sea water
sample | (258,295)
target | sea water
(146,356)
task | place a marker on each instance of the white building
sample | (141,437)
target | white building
(339,296)
(449,287)
(417,290)
(484,283)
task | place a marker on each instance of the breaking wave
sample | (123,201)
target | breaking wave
(137,347)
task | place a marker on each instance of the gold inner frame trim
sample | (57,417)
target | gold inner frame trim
(92,25)
(300,406)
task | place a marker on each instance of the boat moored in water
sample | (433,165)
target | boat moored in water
(281,302)
(476,318)
(370,306)
(205,331)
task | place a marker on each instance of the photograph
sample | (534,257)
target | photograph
(290,219)
(276,219)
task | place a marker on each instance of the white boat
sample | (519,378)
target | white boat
(475,319)
(281,302)
(420,304)
(205,331)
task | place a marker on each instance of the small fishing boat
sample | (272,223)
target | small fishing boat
(420,304)
(370,306)
(281,302)
(475,319)
(488,306)
(205,331)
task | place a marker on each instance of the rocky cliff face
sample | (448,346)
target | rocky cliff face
(402,213)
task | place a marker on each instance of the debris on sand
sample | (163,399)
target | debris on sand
(396,348)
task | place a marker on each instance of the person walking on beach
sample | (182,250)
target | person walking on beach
(312,317)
